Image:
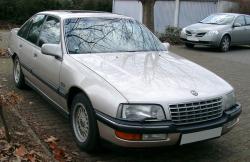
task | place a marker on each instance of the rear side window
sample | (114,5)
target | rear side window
(240,20)
(50,32)
(248,20)
(35,28)
(23,31)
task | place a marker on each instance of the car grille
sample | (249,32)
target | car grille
(196,112)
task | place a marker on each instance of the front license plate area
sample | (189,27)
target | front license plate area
(200,136)
(192,38)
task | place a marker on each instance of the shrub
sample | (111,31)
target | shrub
(171,35)
(18,11)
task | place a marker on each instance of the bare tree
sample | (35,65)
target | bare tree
(148,13)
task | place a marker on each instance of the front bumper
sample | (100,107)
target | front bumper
(108,125)
(206,40)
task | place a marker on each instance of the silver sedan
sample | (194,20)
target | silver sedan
(116,81)
(220,30)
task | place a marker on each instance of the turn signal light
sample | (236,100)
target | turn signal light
(128,136)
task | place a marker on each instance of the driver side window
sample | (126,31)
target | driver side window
(50,32)
(240,20)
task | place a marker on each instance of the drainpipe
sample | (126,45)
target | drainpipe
(176,14)
(218,6)
(113,6)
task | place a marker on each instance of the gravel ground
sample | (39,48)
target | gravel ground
(234,146)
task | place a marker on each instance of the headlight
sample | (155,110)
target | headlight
(183,30)
(229,100)
(136,112)
(213,32)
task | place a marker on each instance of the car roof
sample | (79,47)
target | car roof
(65,14)
(233,14)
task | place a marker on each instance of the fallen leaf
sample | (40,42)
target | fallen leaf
(58,154)
(51,139)
(19,133)
(21,151)
(52,145)
(75,153)
(31,157)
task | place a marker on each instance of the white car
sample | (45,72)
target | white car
(116,81)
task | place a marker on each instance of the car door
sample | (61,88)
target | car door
(238,34)
(28,36)
(48,66)
(248,28)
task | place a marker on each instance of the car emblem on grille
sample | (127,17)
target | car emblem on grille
(193,92)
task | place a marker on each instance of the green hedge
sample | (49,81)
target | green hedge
(18,11)
(171,35)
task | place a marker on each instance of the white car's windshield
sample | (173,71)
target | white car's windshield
(220,19)
(104,35)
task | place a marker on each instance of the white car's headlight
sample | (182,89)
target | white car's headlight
(213,32)
(183,31)
(137,112)
(229,100)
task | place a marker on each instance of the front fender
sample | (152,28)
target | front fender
(103,96)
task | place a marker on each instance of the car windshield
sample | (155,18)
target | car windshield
(106,35)
(220,19)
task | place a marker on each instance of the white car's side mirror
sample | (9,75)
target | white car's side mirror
(237,25)
(52,50)
(167,45)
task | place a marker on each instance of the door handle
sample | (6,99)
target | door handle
(35,54)
(20,45)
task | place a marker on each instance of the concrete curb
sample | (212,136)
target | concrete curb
(31,132)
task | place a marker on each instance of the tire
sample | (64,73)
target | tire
(225,43)
(189,45)
(18,74)
(87,137)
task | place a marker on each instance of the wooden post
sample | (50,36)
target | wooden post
(176,13)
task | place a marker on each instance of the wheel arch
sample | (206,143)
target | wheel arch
(13,56)
(73,91)
(226,34)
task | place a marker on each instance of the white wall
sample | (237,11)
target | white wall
(226,6)
(128,8)
(190,11)
(164,15)
(194,11)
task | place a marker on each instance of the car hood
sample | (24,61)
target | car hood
(199,27)
(154,76)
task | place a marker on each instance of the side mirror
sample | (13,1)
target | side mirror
(237,25)
(52,50)
(167,45)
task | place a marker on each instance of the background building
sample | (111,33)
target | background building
(179,13)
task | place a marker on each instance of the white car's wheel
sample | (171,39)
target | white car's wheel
(225,43)
(84,123)
(18,74)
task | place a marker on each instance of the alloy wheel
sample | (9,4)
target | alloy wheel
(81,122)
(17,71)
